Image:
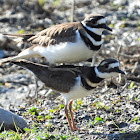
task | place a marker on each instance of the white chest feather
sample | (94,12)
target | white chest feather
(66,52)
(76,92)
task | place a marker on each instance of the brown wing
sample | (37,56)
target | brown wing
(61,80)
(24,37)
(56,34)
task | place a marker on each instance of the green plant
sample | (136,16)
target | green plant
(41,2)
(122,18)
(77,104)
(99,105)
(52,110)
(134,119)
(111,25)
(97,120)
(21,31)
(47,117)
(61,106)
(132,85)
(56,3)
(34,111)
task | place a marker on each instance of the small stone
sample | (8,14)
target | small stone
(8,120)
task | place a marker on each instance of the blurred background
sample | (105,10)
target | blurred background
(32,16)
(21,16)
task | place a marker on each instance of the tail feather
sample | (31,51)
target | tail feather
(21,37)
(38,69)
(26,63)
(6,60)
(25,54)
(23,63)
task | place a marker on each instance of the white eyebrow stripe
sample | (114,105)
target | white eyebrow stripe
(113,65)
(100,21)
(103,63)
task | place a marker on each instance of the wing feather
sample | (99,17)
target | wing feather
(56,34)
(61,80)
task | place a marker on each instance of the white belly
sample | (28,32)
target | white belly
(66,52)
(76,92)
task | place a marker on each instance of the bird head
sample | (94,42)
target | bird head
(108,68)
(95,23)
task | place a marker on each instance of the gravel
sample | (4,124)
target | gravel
(109,113)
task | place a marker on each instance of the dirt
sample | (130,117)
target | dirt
(111,113)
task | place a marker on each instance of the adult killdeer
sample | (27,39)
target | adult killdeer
(76,84)
(66,43)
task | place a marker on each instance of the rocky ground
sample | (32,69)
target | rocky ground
(111,113)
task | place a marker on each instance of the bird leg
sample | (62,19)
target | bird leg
(68,119)
(71,114)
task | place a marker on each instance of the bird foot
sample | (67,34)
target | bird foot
(75,129)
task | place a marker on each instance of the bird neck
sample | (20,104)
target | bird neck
(93,77)
(90,80)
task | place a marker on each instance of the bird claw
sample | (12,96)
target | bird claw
(74,129)
(77,129)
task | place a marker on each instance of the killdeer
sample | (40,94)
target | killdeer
(66,43)
(73,85)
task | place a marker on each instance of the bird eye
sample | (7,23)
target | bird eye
(94,21)
(106,66)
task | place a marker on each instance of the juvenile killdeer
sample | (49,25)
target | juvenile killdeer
(76,84)
(66,43)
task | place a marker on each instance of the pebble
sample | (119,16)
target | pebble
(8,120)
(123,17)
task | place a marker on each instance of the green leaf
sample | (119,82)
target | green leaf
(27,129)
(56,3)
(61,106)
(33,109)
(63,137)
(21,31)
(79,102)
(134,119)
(122,18)
(38,138)
(1,84)
(111,25)
(39,117)
(47,117)
(33,113)
(51,110)
(41,2)
(97,119)
(132,85)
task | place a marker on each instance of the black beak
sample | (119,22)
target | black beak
(106,27)
(120,71)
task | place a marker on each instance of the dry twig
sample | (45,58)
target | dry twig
(73,10)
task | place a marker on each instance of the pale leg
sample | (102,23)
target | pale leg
(68,119)
(71,113)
